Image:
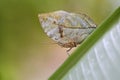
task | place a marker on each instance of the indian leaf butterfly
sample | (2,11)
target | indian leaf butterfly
(67,29)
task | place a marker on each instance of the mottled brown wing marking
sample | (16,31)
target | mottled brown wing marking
(72,27)
(60,31)
(89,21)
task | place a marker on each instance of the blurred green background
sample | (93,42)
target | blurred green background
(26,53)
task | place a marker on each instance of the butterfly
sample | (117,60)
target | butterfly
(67,29)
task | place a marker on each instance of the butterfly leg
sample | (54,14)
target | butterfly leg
(68,51)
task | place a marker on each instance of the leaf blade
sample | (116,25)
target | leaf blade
(86,45)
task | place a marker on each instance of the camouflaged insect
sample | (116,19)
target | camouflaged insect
(67,29)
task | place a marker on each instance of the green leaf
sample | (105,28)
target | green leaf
(98,57)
